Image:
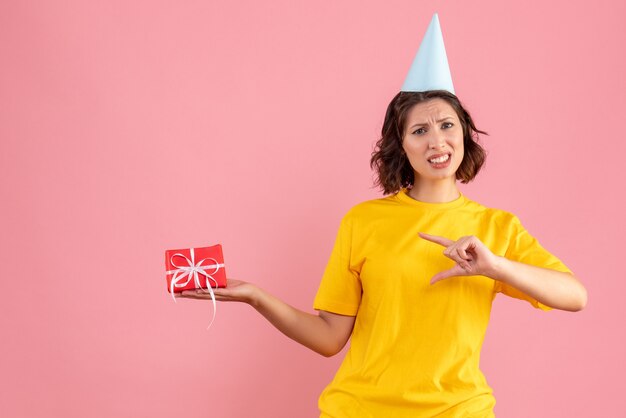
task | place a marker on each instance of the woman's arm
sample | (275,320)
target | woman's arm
(553,288)
(325,333)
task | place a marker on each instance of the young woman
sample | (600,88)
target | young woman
(412,276)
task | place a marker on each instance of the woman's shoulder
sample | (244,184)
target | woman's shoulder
(497,214)
(372,206)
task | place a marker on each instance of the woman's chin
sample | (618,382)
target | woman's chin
(439,176)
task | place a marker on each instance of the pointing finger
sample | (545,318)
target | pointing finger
(437,239)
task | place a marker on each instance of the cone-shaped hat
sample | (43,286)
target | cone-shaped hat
(430,70)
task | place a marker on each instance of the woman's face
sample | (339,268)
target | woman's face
(433,140)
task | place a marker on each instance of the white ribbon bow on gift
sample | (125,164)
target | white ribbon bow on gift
(192,271)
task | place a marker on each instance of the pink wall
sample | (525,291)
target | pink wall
(129,127)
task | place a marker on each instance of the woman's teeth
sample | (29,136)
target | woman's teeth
(441,159)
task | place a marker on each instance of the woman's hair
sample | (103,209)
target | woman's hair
(391,164)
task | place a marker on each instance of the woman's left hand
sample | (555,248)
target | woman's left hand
(472,257)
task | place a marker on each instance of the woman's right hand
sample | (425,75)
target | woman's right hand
(235,291)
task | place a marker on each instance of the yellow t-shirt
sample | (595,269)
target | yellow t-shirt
(415,347)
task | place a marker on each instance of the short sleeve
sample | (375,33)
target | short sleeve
(525,248)
(340,289)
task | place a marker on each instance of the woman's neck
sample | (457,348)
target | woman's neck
(435,191)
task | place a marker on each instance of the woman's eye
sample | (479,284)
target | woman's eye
(419,131)
(447,125)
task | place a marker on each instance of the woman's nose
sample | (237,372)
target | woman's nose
(437,141)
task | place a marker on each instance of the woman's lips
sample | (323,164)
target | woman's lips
(440,160)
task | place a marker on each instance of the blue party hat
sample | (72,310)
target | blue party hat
(430,70)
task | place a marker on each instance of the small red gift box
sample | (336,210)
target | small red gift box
(195,268)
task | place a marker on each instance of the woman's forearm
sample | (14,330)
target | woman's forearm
(325,333)
(553,288)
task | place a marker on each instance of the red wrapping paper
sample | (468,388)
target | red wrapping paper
(209,260)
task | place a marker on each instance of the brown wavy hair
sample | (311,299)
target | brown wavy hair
(392,167)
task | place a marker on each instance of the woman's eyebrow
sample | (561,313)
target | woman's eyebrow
(426,123)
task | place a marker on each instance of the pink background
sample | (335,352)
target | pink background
(130,127)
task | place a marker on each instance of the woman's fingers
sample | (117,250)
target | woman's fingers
(469,253)
(235,291)
(194,294)
(456,253)
(200,295)
(462,252)
(442,275)
(456,250)
(437,239)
